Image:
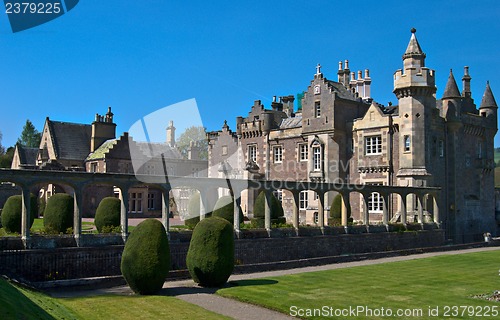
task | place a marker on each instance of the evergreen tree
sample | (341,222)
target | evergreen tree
(2,149)
(30,137)
(196,134)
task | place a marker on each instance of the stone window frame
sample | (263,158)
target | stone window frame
(303,200)
(303,155)
(316,217)
(94,166)
(151,201)
(252,155)
(375,200)
(316,157)
(224,150)
(135,202)
(373,145)
(278,154)
(279,195)
(317,109)
(406,143)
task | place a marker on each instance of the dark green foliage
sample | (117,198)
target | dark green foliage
(336,211)
(58,216)
(41,206)
(277,214)
(146,257)
(30,137)
(210,258)
(108,214)
(224,208)
(193,210)
(12,213)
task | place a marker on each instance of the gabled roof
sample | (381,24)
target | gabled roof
(451,89)
(71,140)
(488,100)
(27,156)
(103,149)
(292,122)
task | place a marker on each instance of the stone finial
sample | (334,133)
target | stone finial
(413,30)
(318,68)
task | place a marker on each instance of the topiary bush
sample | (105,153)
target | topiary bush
(107,215)
(277,213)
(146,257)
(12,213)
(210,258)
(224,208)
(336,211)
(193,210)
(58,216)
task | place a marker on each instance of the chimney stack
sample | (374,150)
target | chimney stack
(171,134)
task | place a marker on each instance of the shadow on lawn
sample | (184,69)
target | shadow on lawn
(198,289)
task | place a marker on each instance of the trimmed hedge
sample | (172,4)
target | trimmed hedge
(193,210)
(12,213)
(146,257)
(107,215)
(59,212)
(210,258)
(277,213)
(224,208)
(336,211)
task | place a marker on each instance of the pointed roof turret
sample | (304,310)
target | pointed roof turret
(451,89)
(488,100)
(414,57)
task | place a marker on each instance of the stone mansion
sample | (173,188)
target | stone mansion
(336,132)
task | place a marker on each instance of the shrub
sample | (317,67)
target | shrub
(146,257)
(224,208)
(210,258)
(59,212)
(12,213)
(107,215)
(277,214)
(193,210)
(336,212)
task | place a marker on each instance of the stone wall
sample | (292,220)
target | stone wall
(71,263)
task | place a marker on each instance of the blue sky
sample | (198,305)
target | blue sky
(140,56)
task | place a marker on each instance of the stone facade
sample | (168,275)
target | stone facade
(340,134)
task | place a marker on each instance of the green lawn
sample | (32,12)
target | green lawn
(18,303)
(416,284)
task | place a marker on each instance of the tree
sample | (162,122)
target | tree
(196,134)
(30,137)
(6,159)
(2,149)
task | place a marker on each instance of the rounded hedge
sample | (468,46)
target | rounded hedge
(336,211)
(58,216)
(224,208)
(108,214)
(193,210)
(146,257)
(12,213)
(277,213)
(210,258)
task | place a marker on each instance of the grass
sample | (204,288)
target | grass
(20,303)
(449,280)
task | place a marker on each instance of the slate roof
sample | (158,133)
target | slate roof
(156,149)
(71,140)
(27,156)
(413,46)
(292,122)
(451,89)
(488,98)
(341,90)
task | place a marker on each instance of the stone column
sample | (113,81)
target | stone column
(296,212)
(420,209)
(236,211)
(344,210)
(124,212)
(435,212)
(366,213)
(165,212)
(25,217)
(77,216)
(385,218)
(321,211)
(403,208)
(267,211)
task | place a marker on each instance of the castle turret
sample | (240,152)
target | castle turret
(414,86)
(488,107)
(451,100)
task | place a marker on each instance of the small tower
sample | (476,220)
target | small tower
(452,101)
(415,88)
(171,134)
(103,129)
(488,107)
